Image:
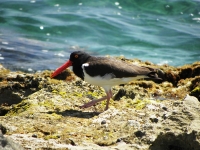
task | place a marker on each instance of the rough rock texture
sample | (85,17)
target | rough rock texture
(38,112)
(7,143)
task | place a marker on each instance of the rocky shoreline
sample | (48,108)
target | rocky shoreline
(37,112)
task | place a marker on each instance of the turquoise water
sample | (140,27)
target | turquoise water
(40,34)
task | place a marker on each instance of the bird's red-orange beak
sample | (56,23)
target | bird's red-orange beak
(61,68)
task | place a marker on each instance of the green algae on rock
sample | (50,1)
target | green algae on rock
(196,91)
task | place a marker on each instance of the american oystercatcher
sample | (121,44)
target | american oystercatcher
(105,72)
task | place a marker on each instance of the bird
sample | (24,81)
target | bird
(105,72)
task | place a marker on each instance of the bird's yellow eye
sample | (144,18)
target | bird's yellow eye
(76,56)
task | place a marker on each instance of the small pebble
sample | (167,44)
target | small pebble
(34,135)
(139,133)
(119,140)
(164,108)
(154,120)
(103,122)
(164,116)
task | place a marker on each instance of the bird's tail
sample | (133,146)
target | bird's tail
(155,75)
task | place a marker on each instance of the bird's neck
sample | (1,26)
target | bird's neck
(78,71)
(77,67)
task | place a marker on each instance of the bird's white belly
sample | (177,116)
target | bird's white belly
(107,80)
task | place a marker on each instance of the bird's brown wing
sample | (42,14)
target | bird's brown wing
(119,69)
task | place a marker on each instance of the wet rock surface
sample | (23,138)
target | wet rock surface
(38,112)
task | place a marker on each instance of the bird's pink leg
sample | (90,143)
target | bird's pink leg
(93,102)
(109,95)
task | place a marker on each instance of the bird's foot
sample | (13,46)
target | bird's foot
(106,108)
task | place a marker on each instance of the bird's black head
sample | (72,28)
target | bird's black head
(78,58)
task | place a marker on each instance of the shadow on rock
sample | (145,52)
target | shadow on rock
(9,97)
(170,141)
(76,113)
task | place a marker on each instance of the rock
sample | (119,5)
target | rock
(34,135)
(196,92)
(8,144)
(133,123)
(103,122)
(153,118)
(3,130)
(191,101)
(173,141)
(139,133)
(192,109)
(40,112)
